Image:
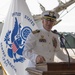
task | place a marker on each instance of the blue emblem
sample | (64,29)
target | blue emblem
(15,41)
(25,31)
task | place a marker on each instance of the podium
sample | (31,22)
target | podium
(62,68)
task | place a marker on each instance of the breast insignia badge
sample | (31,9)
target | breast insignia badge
(42,39)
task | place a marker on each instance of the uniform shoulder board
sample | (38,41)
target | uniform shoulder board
(36,31)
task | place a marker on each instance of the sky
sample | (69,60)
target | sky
(68,20)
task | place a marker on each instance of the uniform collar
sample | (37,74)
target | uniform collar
(43,29)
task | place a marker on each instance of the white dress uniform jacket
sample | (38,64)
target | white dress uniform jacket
(42,42)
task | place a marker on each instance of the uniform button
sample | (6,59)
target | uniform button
(54,50)
(48,35)
(49,50)
(42,45)
(50,59)
(49,43)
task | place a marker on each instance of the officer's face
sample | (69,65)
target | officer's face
(48,24)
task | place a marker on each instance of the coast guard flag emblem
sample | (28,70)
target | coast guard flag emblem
(18,24)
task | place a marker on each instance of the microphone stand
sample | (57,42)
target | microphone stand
(65,50)
(61,36)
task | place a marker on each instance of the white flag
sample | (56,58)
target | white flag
(18,24)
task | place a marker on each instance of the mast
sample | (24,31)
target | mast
(57,9)
(64,6)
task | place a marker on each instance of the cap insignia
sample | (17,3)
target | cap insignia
(51,13)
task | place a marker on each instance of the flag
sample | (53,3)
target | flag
(18,24)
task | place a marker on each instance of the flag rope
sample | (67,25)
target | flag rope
(3,69)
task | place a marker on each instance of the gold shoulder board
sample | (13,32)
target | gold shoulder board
(36,31)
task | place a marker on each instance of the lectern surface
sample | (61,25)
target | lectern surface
(53,69)
(56,66)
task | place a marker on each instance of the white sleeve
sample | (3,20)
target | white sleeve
(29,46)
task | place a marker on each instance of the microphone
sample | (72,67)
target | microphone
(61,36)
(55,31)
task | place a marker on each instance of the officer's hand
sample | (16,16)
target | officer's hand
(40,59)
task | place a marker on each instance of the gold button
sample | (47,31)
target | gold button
(42,45)
(54,50)
(49,50)
(50,59)
(49,42)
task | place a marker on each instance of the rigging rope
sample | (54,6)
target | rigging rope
(67,12)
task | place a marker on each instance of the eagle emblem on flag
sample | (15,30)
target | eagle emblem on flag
(15,41)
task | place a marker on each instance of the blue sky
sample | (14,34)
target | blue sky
(66,25)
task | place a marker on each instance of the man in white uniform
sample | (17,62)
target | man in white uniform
(42,45)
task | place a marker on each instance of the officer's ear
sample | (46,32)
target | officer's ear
(56,22)
(42,20)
